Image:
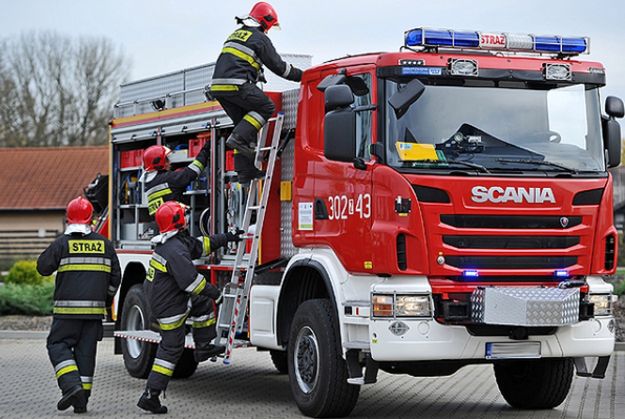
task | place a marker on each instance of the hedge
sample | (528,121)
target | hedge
(34,300)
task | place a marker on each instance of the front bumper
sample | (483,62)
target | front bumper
(426,339)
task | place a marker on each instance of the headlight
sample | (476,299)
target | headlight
(412,306)
(382,305)
(602,303)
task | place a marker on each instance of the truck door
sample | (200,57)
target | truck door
(343,201)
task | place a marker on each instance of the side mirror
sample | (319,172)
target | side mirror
(339,133)
(331,80)
(337,97)
(614,107)
(612,130)
(402,99)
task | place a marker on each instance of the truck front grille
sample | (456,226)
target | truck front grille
(511,262)
(511,242)
(511,221)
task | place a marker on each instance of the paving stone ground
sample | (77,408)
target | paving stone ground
(253,389)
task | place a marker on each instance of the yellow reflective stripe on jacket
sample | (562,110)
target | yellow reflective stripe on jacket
(84,267)
(162,370)
(200,287)
(79,310)
(205,323)
(158,194)
(173,325)
(158,265)
(224,88)
(206,245)
(66,370)
(241,55)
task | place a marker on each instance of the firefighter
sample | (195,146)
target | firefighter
(238,69)
(88,275)
(161,184)
(175,292)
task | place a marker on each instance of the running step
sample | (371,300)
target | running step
(150,336)
(357,344)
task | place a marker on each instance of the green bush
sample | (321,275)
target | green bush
(619,288)
(33,300)
(25,272)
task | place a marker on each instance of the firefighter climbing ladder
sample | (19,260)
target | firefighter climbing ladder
(234,299)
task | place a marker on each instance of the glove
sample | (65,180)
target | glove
(296,74)
(211,292)
(234,237)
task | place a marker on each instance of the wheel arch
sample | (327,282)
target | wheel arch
(306,279)
(134,273)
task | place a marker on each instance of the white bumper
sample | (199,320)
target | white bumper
(430,340)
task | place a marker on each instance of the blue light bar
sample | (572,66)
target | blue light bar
(447,38)
(470,273)
(561,273)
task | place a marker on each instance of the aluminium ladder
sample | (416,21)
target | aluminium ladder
(234,298)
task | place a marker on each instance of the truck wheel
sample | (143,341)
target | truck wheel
(535,384)
(280,361)
(138,356)
(317,370)
(186,365)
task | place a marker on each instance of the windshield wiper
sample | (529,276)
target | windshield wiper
(539,163)
(475,166)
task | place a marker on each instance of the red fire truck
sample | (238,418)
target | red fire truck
(445,205)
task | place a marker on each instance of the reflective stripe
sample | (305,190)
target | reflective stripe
(224,88)
(87,382)
(242,55)
(78,303)
(159,194)
(206,244)
(68,369)
(243,49)
(157,265)
(164,364)
(201,318)
(257,117)
(198,163)
(205,323)
(195,167)
(287,71)
(173,322)
(196,286)
(159,258)
(81,267)
(253,122)
(162,370)
(91,260)
(64,364)
(79,310)
(236,82)
(157,188)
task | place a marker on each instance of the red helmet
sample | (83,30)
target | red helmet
(171,216)
(265,14)
(79,211)
(155,158)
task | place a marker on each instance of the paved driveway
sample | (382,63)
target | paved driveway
(252,388)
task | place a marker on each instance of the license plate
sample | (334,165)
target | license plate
(512,350)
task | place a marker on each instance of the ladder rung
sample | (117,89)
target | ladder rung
(254,207)
(265,148)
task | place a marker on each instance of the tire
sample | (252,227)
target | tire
(138,356)
(280,360)
(186,365)
(317,370)
(535,384)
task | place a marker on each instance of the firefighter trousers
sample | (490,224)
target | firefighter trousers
(173,338)
(249,108)
(72,345)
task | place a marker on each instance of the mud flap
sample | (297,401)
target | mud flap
(598,372)
(354,368)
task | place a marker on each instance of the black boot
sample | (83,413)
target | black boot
(82,408)
(206,351)
(75,396)
(149,401)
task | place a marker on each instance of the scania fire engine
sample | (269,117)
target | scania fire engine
(445,205)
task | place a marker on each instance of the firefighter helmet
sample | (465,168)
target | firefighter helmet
(155,158)
(79,211)
(171,216)
(265,14)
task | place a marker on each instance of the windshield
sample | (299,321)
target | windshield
(498,128)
